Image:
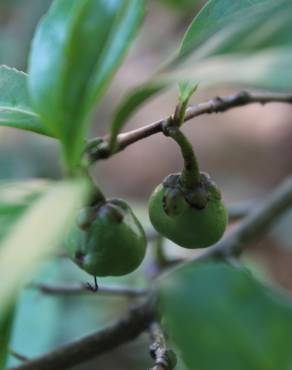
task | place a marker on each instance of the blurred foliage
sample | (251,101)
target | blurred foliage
(37,231)
(238,43)
(44,322)
(221,317)
(15,198)
(6,325)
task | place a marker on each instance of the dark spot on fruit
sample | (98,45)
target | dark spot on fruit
(112,211)
(79,257)
(118,216)
(195,206)
(164,204)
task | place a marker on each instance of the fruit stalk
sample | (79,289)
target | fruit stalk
(190,176)
(97,195)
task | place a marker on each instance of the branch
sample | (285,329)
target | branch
(139,319)
(73,289)
(86,348)
(215,105)
(165,358)
(18,356)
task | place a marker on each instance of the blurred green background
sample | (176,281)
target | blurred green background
(247,151)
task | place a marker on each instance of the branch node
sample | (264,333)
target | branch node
(99,148)
(165,358)
(243,97)
(217,105)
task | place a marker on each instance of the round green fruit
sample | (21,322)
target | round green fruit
(191,218)
(108,241)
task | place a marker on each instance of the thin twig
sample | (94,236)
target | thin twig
(215,105)
(164,357)
(73,289)
(18,356)
(124,330)
(138,320)
(161,258)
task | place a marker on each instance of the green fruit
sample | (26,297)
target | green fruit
(109,240)
(191,218)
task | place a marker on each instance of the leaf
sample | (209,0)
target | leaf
(214,16)
(15,198)
(243,37)
(186,90)
(5,334)
(221,318)
(229,42)
(76,50)
(15,109)
(129,105)
(37,233)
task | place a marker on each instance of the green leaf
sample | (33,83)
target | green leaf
(249,38)
(186,90)
(15,109)
(129,105)
(5,334)
(36,234)
(229,42)
(15,198)
(221,318)
(213,17)
(76,50)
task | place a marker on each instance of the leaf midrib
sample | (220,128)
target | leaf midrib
(9,108)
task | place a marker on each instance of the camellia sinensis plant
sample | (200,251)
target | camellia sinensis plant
(205,314)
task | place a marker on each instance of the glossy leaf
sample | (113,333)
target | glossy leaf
(222,318)
(213,17)
(229,42)
(6,326)
(77,48)
(247,43)
(15,108)
(130,105)
(37,233)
